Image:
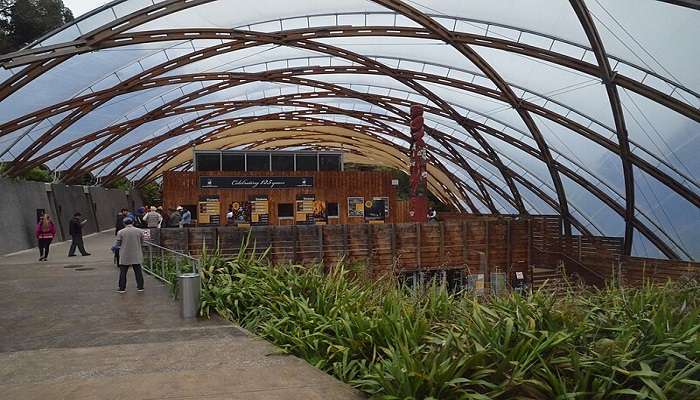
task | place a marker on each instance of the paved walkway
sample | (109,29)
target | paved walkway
(66,334)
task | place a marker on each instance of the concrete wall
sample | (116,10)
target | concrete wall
(106,203)
(72,199)
(19,201)
(134,200)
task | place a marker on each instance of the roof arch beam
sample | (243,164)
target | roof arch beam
(313,46)
(608,76)
(511,141)
(590,187)
(496,133)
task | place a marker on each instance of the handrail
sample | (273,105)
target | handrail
(166,273)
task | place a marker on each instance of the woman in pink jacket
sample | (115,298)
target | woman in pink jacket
(45,232)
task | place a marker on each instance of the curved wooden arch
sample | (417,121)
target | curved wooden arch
(110,31)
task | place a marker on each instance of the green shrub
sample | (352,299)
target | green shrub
(395,343)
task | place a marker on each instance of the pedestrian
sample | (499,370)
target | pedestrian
(152,219)
(130,241)
(75,229)
(119,224)
(163,214)
(186,217)
(432,215)
(45,232)
(138,218)
(175,218)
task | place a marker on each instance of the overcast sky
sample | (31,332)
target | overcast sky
(80,7)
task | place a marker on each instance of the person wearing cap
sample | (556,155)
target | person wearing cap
(129,242)
(75,229)
(152,218)
(138,218)
(174,219)
(186,216)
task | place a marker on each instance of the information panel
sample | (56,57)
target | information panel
(259,210)
(356,206)
(209,210)
(255,182)
(375,210)
(304,210)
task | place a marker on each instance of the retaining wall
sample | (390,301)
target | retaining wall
(106,203)
(72,199)
(20,200)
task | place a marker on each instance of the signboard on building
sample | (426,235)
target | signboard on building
(304,209)
(255,182)
(356,206)
(375,210)
(259,210)
(209,210)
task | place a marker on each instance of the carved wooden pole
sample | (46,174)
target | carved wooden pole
(419,156)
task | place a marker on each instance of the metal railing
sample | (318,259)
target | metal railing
(165,264)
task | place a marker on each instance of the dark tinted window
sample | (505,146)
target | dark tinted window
(258,162)
(329,162)
(283,162)
(332,209)
(285,210)
(233,162)
(307,162)
(208,162)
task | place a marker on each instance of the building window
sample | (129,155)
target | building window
(333,210)
(233,162)
(258,162)
(285,210)
(329,162)
(307,162)
(283,162)
(208,162)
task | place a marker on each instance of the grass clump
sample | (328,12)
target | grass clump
(395,343)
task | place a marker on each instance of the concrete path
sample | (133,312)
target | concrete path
(66,334)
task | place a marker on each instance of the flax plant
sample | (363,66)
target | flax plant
(396,343)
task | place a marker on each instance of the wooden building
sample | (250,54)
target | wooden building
(347,195)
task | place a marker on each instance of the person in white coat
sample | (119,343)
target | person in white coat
(130,241)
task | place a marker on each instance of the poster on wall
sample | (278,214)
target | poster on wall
(356,206)
(209,210)
(259,210)
(320,212)
(374,210)
(386,205)
(238,213)
(304,209)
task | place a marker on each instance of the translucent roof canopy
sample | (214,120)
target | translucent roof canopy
(587,108)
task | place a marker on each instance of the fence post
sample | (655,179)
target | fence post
(320,243)
(487,273)
(580,248)
(294,243)
(442,242)
(392,242)
(370,246)
(509,253)
(465,252)
(418,244)
(344,231)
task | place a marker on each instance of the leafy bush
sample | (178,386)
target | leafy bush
(394,343)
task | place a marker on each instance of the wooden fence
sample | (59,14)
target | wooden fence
(473,244)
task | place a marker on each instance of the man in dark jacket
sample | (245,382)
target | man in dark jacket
(119,225)
(75,228)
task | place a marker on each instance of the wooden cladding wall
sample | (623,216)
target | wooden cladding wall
(475,244)
(182,188)
(500,244)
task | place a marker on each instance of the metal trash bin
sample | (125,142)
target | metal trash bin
(188,292)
